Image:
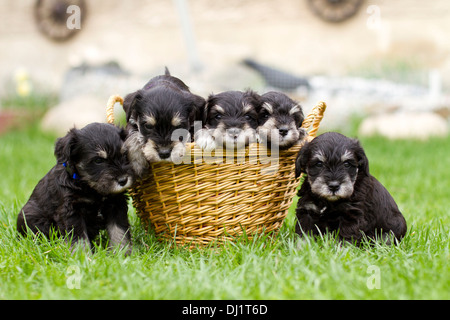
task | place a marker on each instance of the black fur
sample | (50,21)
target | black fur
(85,191)
(340,195)
(160,121)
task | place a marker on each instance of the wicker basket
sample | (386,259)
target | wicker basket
(202,202)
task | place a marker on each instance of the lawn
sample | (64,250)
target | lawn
(416,173)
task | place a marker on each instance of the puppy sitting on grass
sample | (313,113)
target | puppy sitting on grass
(340,195)
(85,191)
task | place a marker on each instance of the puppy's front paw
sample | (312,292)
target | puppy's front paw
(124,247)
(210,144)
(80,244)
(258,138)
(178,153)
(205,140)
(119,236)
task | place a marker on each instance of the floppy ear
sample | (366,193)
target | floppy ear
(302,160)
(122,133)
(363,162)
(129,105)
(209,102)
(198,109)
(298,115)
(64,147)
(254,98)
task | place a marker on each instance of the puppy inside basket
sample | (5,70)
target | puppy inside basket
(234,119)
(164,115)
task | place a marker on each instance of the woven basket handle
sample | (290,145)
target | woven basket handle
(110,107)
(313,119)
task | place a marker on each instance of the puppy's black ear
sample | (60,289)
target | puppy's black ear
(253,98)
(166,71)
(211,101)
(64,147)
(302,160)
(298,116)
(363,162)
(198,109)
(123,134)
(129,105)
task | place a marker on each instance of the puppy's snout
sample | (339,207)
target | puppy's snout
(234,132)
(334,186)
(122,181)
(164,153)
(283,131)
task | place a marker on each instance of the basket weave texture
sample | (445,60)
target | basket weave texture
(217,198)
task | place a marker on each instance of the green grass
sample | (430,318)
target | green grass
(401,70)
(282,267)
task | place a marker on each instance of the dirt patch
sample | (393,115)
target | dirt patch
(13,119)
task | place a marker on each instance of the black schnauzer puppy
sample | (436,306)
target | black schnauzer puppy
(230,120)
(340,195)
(280,120)
(160,119)
(85,191)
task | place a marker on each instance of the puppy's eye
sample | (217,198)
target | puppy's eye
(218,116)
(319,164)
(347,164)
(148,126)
(248,117)
(99,160)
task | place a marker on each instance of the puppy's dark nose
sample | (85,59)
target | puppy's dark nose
(234,132)
(122,181)
(283,131)
(164,153)
(334,186)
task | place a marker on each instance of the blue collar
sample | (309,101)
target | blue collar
(73,174)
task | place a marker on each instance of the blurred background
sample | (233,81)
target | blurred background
(385,63)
